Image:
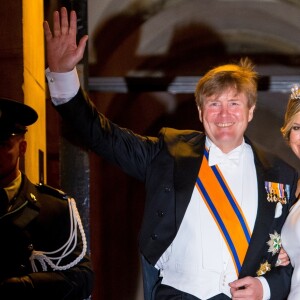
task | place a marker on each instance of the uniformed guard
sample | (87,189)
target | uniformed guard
(43,245)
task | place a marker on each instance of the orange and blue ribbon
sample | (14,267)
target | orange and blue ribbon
(225,210)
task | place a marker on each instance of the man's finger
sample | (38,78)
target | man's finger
(47,31)
(56,24)
(64,23)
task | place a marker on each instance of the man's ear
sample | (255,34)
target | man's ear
(200,113)
(22,148)
(251,113)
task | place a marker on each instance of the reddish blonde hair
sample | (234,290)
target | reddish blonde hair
(240,76)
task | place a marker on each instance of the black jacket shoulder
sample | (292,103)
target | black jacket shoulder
(51,191)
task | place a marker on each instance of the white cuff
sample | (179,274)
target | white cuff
(62,86)
(266,288)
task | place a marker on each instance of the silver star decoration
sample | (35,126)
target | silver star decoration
(274,243)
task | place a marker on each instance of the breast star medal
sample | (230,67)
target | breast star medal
(274,243)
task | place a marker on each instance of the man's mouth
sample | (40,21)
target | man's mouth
(225,124)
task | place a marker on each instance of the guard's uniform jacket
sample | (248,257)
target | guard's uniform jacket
(39,219)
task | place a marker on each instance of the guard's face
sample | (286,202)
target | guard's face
(10,152)
(295,135)
(225,118)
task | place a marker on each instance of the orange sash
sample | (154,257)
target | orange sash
(225,210)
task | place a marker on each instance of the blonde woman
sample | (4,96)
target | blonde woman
(291,229)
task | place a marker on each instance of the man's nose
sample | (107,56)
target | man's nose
(224,109)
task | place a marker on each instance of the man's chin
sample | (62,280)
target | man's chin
(227,143)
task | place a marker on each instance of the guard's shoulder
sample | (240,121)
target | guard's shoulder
(49,190)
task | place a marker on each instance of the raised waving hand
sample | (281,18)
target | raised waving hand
(63,53)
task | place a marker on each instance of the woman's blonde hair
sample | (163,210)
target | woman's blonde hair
(292,109)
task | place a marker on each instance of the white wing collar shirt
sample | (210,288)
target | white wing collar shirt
(198,261)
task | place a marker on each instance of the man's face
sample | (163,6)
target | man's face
(225,118)
(10,151)
(295,135)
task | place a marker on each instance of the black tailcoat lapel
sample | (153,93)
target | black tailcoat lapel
(186,171)
(262,226)
(268,169)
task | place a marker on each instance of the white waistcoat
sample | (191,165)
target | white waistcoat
(198,261)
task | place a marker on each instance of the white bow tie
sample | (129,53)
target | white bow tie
(216,156)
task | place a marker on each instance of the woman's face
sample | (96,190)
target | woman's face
(295,135)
